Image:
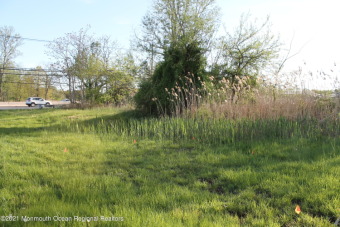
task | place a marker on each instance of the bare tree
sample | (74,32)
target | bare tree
(70,54)
(85,61)
(9,43)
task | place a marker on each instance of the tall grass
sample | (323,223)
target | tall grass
(245,97)
(264,105)
(209,130)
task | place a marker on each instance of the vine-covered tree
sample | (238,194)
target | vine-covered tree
(180,31)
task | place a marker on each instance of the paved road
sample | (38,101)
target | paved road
(16,108)
(22,106)
(19,107)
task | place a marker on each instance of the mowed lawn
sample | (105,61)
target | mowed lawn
(70,168)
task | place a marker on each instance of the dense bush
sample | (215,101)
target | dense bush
(180,60)
(143,98)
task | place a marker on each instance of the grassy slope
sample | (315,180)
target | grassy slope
(159,182)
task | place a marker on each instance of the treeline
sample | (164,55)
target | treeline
(177,47)
(93,68)
(85,69)
(20,83)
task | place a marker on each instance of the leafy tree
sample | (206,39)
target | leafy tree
(90,75)
(88,65)
(177,21)
(246,52)
(11,86)
(128,63)
(119,87)
(9,43)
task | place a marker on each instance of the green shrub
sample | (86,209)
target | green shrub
(180,60)
(143,98)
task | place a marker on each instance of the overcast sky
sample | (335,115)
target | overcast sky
(314,24)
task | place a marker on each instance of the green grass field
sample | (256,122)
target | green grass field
(57,165)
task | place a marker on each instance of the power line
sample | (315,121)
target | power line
(42,70)
(18,82)
(46,41)
(29,74)
(33,70)
(29,39)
